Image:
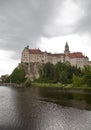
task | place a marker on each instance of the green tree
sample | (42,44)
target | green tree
(64,77)
(64,72)
(47,73)
(18,75)
(60,72)
(57,71)
(87,75)
(77,81)
(87,78)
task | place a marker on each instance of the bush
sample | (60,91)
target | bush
(27,83)
(77,81)
(18,75)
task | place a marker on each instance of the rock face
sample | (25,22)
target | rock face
(32,70)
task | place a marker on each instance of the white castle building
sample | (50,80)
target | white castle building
(37,56)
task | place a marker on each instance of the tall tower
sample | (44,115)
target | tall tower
(66,51)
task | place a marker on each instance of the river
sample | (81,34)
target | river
(44,109)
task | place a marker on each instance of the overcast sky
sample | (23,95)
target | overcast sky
(44,24)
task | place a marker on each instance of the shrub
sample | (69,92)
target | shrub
(27,83)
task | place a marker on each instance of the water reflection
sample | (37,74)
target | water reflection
(22,109)
(74,98)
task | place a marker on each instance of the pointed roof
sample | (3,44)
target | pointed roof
(66,44)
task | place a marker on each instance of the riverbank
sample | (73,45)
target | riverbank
(47,85)
(59,85)
(68,87)
(12,84)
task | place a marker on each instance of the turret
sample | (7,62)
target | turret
(66,51)
(27,47)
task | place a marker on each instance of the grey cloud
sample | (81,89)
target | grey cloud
(84,24)
(22,21)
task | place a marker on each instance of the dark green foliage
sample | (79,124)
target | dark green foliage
(87,75)
(77,81)
(18,75)
(87,78)
(64,72)
(63,77)
(7,79)
(84,79)
(61,72)
(27,83)
(47,73)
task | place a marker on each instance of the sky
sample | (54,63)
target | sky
(44,24)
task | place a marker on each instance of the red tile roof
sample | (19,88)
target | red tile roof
(38,51)
(35,51)
(71,55)
(58,54)
(76,55)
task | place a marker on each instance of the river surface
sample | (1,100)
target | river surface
(44,109)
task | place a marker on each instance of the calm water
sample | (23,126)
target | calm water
(44,109)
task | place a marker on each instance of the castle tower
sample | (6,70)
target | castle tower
(66,51)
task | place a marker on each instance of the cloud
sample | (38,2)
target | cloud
(23,22)
(7,64)
(67,21)
(43,23)
(84,23)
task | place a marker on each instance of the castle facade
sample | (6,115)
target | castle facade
(37,56)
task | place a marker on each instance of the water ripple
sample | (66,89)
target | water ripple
(21,109)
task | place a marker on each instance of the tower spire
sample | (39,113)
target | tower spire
(66,51)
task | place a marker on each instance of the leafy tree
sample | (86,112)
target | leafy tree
(18,75)
(64,77)
(47,73)
(64,72)
(87,75)
(77,81)
(87,78)
(60,72)
(84,79)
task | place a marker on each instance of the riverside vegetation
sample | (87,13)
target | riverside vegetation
(59,75)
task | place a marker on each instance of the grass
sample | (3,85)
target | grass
(51,85)
(59,85)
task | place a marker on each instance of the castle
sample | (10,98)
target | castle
(37,56)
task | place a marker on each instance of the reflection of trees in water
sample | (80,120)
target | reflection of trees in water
(79,99)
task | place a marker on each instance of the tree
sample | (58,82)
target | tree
(87,75)
(18,75)
(47,73)
(77,81)
(60,72)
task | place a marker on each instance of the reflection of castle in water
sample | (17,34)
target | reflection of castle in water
(37,56)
